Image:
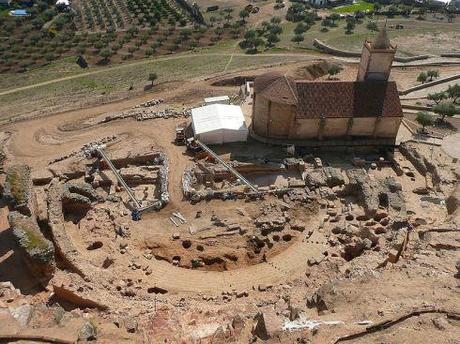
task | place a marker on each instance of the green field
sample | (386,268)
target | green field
(358,6)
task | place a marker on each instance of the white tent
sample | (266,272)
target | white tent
(219,123)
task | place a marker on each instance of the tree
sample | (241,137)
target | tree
(334,70)
(275,29)
(453,92)
(81,49)
(422,77)
(349,27)
(275,20)
(251,41)
(326,22)
(243,15)
(152,77)
(300,28)
(436,97)
(106,54)
(446,110)
(296,12)
(372,26)
(298,38)
(333,17)
(432,74)
(219,31)
(272,39)
(424,119)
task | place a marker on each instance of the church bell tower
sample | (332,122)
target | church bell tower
(376,58)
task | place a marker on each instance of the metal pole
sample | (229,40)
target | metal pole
(231,169)
(119,178)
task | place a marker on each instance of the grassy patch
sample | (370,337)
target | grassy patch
(109,84)
(418,37)
(58,69)
(34,240)
(359,6)
(28,234)
(16,183)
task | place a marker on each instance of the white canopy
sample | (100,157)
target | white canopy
(217,100)
(219,123)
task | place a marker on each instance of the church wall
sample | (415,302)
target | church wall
(281,116)
(362,126)
(260,115)
(335,127)
(388,127)
(305,129)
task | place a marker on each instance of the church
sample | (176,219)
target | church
(362,110)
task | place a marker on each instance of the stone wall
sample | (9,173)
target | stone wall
(345,53)
(163,176)
(429,84)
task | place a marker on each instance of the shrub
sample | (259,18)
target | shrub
(424,119)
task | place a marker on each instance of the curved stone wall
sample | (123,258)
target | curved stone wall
(345,53)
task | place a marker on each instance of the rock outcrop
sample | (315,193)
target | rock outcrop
(267,325)
(38,251)
(18,190)
(375,194)
(78,197)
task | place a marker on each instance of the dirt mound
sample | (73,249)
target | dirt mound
(311,72)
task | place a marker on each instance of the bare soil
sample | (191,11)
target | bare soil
(314,285)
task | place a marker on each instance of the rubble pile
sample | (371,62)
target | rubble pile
(144,115)
(79,197)
(272,218)
(149,103)
(327,176)
(86,149)
(373,194)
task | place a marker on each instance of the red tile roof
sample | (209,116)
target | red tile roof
(347,99)
(277,87)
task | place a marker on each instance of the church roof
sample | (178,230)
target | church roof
(338,99)
(381,41)
(276,87)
